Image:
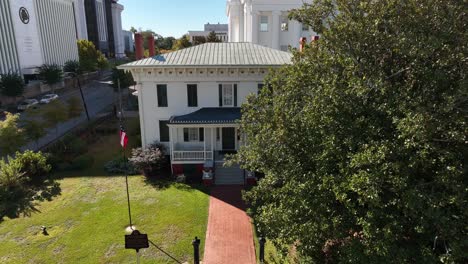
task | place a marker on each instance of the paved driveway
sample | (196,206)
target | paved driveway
(229,236)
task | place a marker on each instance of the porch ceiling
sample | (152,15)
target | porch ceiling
(209,115)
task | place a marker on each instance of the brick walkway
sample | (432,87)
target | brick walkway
(229,237)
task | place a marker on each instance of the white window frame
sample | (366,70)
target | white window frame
(193,137)
(262,29)
(226,86)
(284,24)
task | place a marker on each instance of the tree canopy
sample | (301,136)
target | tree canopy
(11,84)
(362,139)
(12,137)
(181,43)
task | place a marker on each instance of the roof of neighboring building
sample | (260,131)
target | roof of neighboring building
(216,54)
(209,115)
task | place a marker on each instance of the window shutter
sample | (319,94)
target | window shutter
(185,134)
(189,95)
(201,135)
(235,95)
(220,95)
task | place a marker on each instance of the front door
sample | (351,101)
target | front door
(229,138)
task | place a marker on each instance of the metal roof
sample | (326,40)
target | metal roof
(216,54)
(209,115)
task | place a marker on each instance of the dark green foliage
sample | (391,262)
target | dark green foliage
(72,66)
(165,43)
(24,180)
(126,79)
(81,162)
(363,139)
(181,43)
(11,84)
(197,40)
(76,146)
(120,166)
(75,107)
(51,73)
(149,160)
(212,37)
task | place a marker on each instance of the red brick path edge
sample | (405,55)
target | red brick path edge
(229,237)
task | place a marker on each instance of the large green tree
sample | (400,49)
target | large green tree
(363,139)
(11,84)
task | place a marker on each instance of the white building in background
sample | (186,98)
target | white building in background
(266,22)
(118,32)
(80,19)
(35,32)
(221,31)
(129,44)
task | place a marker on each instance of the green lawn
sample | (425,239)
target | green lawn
(86,223)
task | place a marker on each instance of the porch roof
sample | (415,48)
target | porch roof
(209,115)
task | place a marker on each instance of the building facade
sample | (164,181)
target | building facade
(36,32)
(189,100)
(129,45)
(265,22)
(221,31)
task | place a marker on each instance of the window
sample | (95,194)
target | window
(193,134)
(163,131)
(305,27)
(284,23)
(218,135)
(192,95)
(263,23)
(228,95)
(162,95)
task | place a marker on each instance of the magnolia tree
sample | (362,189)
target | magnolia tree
(363,138)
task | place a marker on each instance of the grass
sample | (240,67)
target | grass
(86,223)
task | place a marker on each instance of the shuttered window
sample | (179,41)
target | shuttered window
(228,95)
(162,95)
(192,96)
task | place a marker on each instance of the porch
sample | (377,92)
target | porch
(204,135)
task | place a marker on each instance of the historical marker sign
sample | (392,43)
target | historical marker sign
(136,240)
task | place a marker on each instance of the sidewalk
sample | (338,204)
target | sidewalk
(229,237)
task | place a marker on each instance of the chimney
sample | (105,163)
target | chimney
(139,51)
(302,43)
(315,38)
(151,45)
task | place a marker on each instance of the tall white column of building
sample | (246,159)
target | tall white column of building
(80,19)
(117,28)
(275,28)
(241,24)
(255,24)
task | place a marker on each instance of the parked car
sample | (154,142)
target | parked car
(48,98)
(27,104)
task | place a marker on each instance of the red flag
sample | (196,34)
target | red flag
(123,137)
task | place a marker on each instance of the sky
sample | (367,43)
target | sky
(172,17)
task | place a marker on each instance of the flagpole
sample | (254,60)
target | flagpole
(124,158)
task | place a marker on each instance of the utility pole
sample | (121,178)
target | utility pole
(82,96)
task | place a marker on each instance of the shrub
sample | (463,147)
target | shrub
(81,162)
(120,166)
(11,84)
(72,66)
(149,160)
(50,73)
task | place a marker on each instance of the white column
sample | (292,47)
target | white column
(275,28)
(255,26)
(212,142)
(297,32)
(241,25)
(204,143)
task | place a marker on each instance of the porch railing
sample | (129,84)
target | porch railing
(192,155)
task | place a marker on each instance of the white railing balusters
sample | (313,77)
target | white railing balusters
(192,155)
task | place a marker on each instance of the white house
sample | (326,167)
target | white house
(266,22)
(190,100)
(221,31)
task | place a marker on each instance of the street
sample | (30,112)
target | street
(98,95)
